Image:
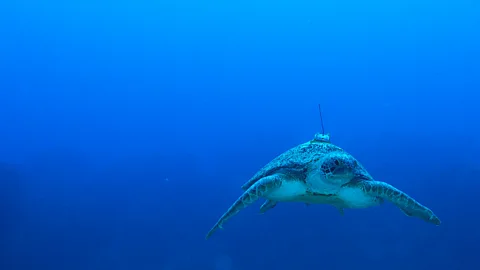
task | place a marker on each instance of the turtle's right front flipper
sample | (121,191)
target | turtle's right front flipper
(406,203)
(257,190)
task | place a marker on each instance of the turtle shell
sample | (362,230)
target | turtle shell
(294,160)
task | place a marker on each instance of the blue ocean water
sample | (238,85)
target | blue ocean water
(128,127)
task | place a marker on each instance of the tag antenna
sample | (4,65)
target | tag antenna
(321,118)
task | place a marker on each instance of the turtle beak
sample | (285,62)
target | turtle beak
(342,170)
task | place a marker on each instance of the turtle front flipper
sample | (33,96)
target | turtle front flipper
(407,204)
(257,190)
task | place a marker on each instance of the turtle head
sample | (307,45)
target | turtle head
(338,167)
(332,171)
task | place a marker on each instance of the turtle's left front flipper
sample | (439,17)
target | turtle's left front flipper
(257,190)
(406,203)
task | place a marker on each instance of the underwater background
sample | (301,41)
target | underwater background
(128,127)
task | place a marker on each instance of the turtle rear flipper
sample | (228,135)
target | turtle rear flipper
(267,205)
(253,193)
(407,204)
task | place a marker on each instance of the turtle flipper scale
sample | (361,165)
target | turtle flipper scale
(253,193)
(407,204)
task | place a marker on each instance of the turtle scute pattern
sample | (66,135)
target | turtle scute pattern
(294,159)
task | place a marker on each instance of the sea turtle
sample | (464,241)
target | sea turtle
(319,172)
